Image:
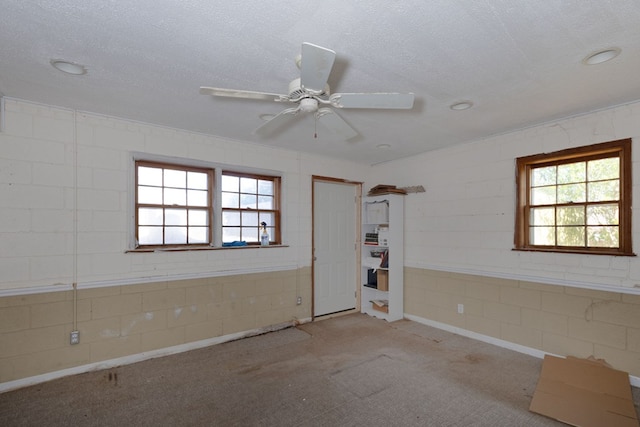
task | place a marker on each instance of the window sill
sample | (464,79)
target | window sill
(574,251)
(203,248)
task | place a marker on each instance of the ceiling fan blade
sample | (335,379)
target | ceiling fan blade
(315,66)
(335,123)
(372,100)
(232,93)
(280,119)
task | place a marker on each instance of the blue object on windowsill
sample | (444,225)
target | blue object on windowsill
(234,243)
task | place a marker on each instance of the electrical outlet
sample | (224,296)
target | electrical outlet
(460,308)
(299,300)
(75,337)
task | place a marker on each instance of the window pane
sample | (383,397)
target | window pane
(572,193)
(543,176)
(150,216)
(230,218)
(248,185)
(570,215)
(572,172)
(265,187)
(604,190)
(197,198)
(571,236)
(250,219)
(603,237)
(175,235)
(269,218)
(175,217)
(543,196)
(248,201)
(173,196)
(230,234)
(198,235)
(604,169)
(603,215)
(230,200)
(150,235)
(230,183)
(198,217)
(150,195)
(545,236)
(197,180)
(174,178)
(265,202)
(250,234)
(542,216)
(149,176)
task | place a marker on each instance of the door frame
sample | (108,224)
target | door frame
(358,194)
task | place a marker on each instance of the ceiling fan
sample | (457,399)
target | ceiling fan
(310,92)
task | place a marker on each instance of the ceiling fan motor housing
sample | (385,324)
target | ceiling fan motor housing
(296,91)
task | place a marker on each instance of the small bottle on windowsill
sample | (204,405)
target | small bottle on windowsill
(264,237)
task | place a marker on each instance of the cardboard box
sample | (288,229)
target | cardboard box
(584,392)
(383,280)
(384,308)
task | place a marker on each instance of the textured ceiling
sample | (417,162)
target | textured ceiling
(518,61)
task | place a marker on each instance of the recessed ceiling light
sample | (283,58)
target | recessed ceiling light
(69,67)
(383,146)
(602,56)
(266,117)
(462,105)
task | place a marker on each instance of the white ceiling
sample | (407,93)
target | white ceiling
(518,61)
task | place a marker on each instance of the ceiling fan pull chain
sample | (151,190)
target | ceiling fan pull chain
(315,126)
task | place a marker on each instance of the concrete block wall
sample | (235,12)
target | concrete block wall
(560,320)
(465,219)
(117,322)
(67,193)
(66,180)
(459,238)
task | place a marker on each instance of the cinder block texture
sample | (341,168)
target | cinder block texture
(555,319)
(126,320)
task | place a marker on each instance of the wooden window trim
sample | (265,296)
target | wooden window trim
(276,239)
(209,208)
(621,148)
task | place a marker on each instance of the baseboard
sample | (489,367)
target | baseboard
(134,358)
(635,381)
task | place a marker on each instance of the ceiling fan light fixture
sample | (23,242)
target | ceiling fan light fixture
(68,67)
(601,56)
(308,105)
(462,105)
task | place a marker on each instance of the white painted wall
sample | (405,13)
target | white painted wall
(464,222)
(54,160)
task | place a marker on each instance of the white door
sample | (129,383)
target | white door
(334,237)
